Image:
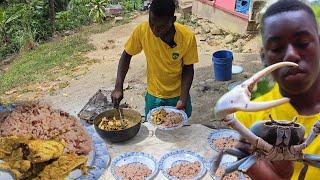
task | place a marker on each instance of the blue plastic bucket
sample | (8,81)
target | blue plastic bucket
(222,64)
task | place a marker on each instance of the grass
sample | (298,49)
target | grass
(37,66)
(51,60)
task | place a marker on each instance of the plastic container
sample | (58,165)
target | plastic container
(222,65)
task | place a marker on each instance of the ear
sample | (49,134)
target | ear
(263,56)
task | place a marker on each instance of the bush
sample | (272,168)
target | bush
(24,23)
(130,5)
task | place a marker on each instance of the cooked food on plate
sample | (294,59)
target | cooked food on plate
(225,142)
(38,142)
(166,119)
(185,170)
(137,171)
(40,121)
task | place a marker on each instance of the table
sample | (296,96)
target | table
(157,142)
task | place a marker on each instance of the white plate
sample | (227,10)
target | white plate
(135,157)
(179,156)
(5,174)
(168,109)
(222,133)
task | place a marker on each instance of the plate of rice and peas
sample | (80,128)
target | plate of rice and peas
(167,117)
(39,142)
(134,166)
(182,165)
(223,139)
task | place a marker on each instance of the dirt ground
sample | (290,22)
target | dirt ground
(109,46)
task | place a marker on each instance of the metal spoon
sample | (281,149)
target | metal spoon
(121,118)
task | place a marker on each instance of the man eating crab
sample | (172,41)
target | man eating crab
(276,149)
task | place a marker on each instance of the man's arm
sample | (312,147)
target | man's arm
(186,81)
(271,170)
(123,67)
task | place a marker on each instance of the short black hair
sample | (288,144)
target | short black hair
(163,8)
(286,6)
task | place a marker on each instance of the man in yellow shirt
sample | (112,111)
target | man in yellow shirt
(170,50)
(290,33)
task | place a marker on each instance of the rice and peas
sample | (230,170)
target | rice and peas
(166,119)
(40,121)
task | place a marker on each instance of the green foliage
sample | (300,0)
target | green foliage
(26,23)
(263,86)
(61,5)
(80,9)
(98,10)
(316,10)
(130,5)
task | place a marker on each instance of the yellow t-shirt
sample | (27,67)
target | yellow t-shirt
(164,64)
(286,112)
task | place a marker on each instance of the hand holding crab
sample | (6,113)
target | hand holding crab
(270,139)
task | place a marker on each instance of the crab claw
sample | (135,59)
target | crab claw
(238,99)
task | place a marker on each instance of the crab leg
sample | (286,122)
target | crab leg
(238,99)
(241,165)
(253,139)
(312,159)
(234,166)
(303,172)
(233,151)
(248,163)
(313,134)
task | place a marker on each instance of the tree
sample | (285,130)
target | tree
(52,14)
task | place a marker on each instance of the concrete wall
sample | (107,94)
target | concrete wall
(225,20)
(227,4)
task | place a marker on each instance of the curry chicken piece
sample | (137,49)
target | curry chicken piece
(8,144)
(158,117)
(61,168)
(44,150)
(39,159)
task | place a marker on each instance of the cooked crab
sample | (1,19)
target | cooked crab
(270,140)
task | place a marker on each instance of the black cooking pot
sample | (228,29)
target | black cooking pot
(119,135)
